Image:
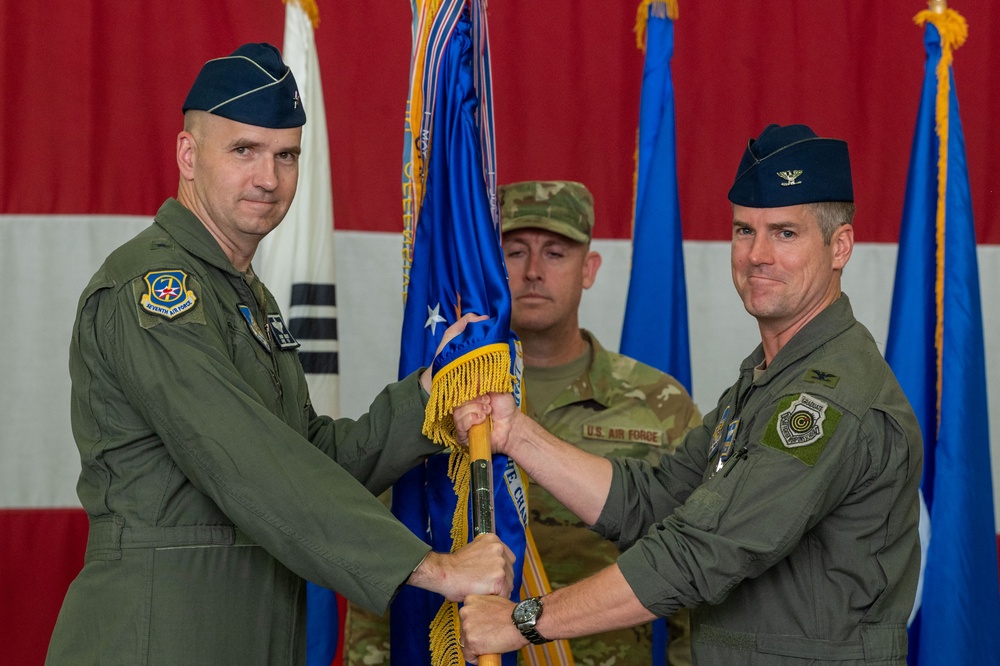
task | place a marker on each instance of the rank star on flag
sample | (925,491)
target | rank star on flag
(433,318)
(451,247)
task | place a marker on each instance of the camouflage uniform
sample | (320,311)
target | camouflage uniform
(618,407)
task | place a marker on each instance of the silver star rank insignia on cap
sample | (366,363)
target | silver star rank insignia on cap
(790,177)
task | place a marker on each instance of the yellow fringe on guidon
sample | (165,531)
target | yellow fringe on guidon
(659,9)
(954,31)
(483,370)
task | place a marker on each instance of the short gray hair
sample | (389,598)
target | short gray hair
(832,215)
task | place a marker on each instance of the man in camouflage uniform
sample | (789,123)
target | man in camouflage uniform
(603,402)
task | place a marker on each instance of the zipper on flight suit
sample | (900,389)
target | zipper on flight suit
(243,289)
(727,461)
(272,347)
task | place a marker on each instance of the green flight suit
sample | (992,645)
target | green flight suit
(617,407)
(803,547)
(212,486)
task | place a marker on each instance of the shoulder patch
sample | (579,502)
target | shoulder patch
(801,426)
(819,377)
(167,294)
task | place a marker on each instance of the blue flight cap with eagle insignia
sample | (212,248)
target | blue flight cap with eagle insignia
(790,165)
(252,85)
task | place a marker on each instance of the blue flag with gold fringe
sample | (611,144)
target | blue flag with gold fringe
(935,348)
(453,265)
(655,329)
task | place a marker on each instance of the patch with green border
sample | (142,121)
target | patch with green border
(801,427)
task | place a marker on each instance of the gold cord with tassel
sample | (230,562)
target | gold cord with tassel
(484,370)
(659,9)
(954,31)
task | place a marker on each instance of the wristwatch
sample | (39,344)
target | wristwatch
(525,617)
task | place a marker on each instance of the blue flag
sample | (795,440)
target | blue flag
(655,330)
(935,348)
(454,265)
(656,325)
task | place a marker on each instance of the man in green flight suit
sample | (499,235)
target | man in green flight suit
(787,521)
(600,401)
(213,488)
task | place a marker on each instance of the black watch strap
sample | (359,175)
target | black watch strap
(533,636)
(525,615)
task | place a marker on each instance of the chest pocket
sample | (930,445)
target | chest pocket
(253,363)
(709,501)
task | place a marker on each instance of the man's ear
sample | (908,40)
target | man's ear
(186,149)
(842,243)
(590,265)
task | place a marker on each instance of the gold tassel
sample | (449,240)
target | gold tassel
(658,8)
(310,9)
(953,30)
(444,636)
(483,370)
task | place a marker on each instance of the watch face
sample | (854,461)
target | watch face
(526,610)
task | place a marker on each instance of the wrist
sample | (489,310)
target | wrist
(517,434)
(525,617)
(426,572)
(425,380)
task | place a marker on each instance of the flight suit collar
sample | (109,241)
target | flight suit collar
(827,325)
(189,232)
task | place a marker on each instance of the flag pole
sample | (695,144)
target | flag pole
(481,463)
(937,6)
(481,492)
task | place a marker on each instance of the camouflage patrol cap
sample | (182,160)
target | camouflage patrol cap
(560,206)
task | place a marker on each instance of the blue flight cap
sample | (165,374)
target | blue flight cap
(252,86)
(790,165)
